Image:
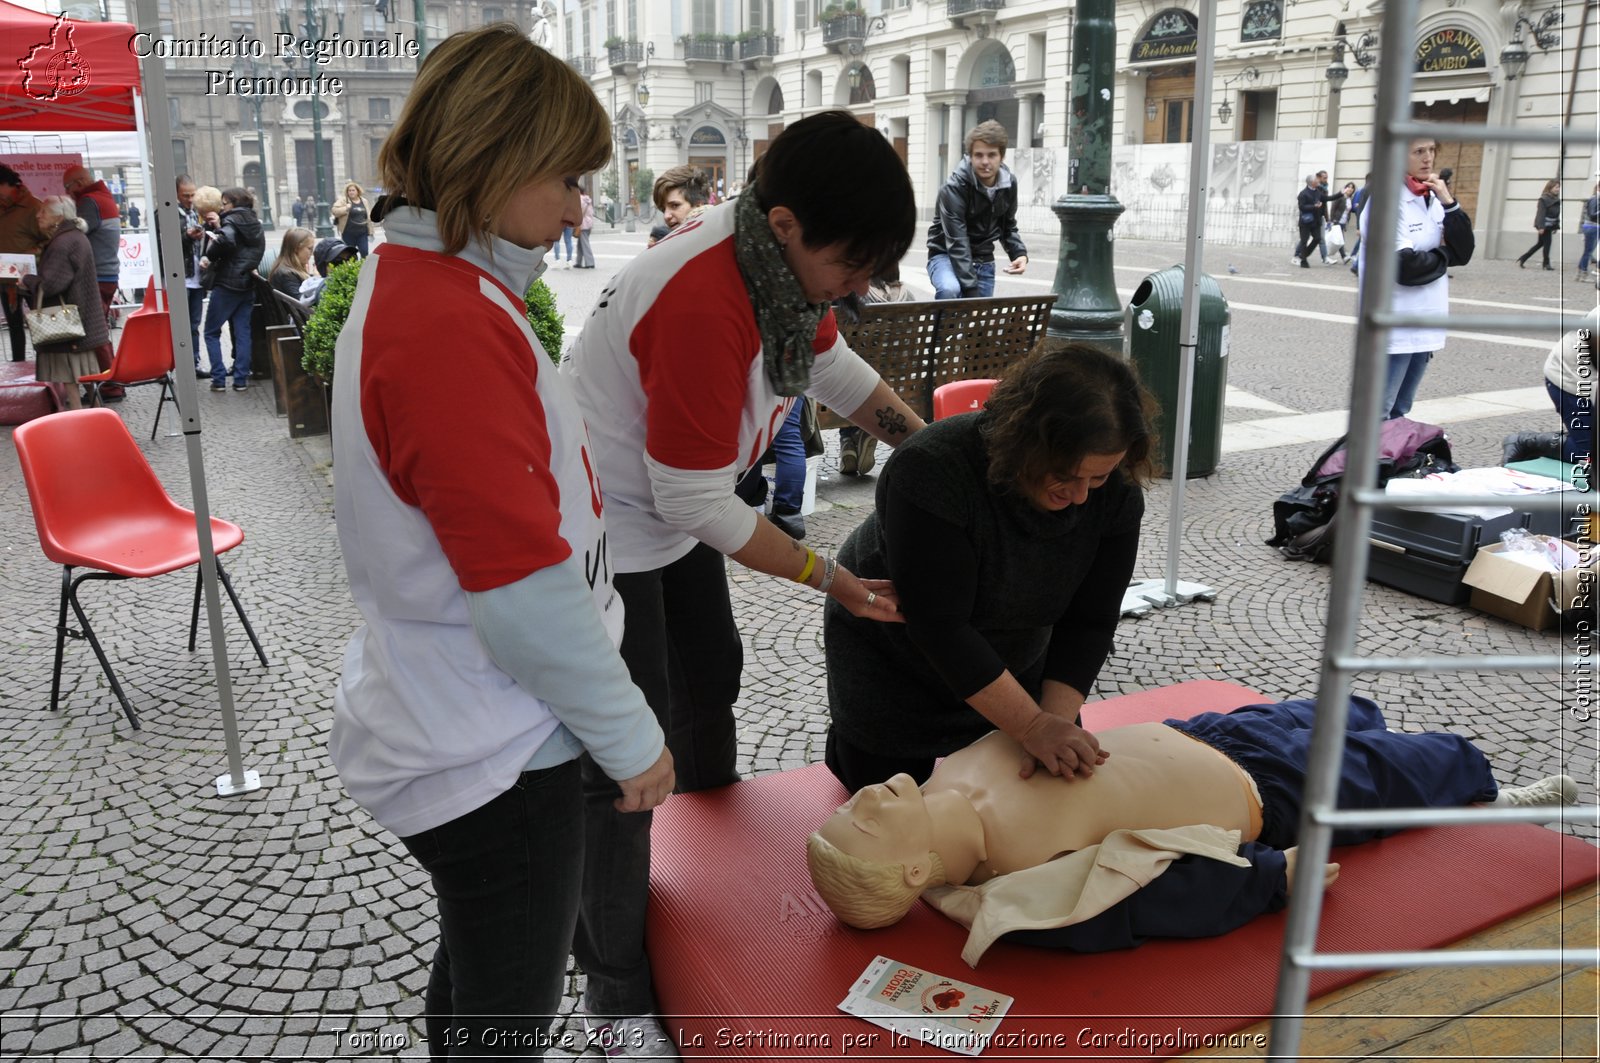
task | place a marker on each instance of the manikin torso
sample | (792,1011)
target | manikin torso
(1155,777)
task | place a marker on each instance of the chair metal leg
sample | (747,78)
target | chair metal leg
(169,393)
(61,638)
(94,643)
(194,613)
(227,585)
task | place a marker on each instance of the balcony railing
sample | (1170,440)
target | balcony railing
(709,51)
(626,53)
(844,28)
(957,8)
(583,64)
(764,47)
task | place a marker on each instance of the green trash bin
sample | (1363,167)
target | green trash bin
(1153,326)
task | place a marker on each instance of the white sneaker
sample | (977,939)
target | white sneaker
(1555,790)
(1294,260)
(634,1037)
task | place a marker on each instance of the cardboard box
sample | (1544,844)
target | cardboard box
(1529,596)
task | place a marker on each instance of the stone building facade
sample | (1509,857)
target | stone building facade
(711,81)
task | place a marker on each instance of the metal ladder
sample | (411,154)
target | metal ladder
(1360,496)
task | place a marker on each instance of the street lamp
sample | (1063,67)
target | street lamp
(1224,109)
(1361,51)
(315,28)
(1514,56)
(246,67)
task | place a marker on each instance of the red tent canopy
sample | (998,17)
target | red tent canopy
(57,73)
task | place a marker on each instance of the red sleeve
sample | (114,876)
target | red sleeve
(459,429)
(694,347)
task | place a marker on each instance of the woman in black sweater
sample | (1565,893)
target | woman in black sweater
(1010,535)
(1546,219)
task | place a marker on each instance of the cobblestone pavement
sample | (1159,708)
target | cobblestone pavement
(146,915)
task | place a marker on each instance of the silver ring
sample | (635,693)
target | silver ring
(871,597)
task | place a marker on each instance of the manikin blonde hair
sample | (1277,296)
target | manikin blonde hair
(864,894)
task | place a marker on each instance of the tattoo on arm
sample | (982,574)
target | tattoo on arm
(891,422)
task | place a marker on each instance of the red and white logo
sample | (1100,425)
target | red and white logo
(55,70)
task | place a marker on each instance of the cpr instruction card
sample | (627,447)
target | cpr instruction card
(917,1004)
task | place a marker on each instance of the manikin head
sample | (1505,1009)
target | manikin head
(873,858)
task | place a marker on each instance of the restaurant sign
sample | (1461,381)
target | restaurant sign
(1173,34)
(1449,49)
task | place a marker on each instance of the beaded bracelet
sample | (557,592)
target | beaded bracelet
(811,564)
(829,568)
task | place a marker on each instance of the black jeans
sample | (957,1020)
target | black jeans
(507,879)
(14,325)
(1541,244)
(683,650)
(1310,238)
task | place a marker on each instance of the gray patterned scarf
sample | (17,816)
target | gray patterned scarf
(787,322)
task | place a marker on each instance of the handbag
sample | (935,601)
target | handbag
(53,324)
(1335,236)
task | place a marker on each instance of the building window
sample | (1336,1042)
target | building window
(251,147)
(705,16)
(633,20)
(373,28)
(491,15)
(378,108)
(588,32)
(302,109)
(438,22)
(703,91)
(174,116)
(242,28)
(1262,21)
(180,156)
(572,38)
(242,8)
(613,28)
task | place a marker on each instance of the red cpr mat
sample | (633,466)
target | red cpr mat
(750,964)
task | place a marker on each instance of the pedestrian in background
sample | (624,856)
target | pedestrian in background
(1432,234)
(98,211)
(1312,204)
(1591,230)
(585,252)
(486,668)
(1546,220)
(351,218)
(67,277)
(299,209)
(19,235)
(1338,216)
(976,207)
(233,253)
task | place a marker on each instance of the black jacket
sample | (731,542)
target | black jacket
(237,246)
(966,223)
(1313,204)
(1547,215)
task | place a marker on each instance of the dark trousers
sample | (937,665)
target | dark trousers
(1577,422)
(683,650)
(1380,768)
(856,767)
(1541,244)
(507,879)
(1310,237)
(19,333)
(196,298)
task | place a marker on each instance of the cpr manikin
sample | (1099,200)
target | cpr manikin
(1207,807)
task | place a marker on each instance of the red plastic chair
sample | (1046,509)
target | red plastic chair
(960,396)
(144,356)
(97,504)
